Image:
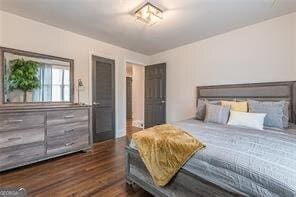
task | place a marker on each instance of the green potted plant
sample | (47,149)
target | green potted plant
(23,76)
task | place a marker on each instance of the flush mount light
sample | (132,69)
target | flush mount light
(149,14)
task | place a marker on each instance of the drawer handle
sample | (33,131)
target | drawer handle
(69,116)
(69,144)
(15,121)
(14,138)
(68,131)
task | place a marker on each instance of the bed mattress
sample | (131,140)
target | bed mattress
(245,161)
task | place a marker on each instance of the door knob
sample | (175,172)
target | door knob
(95,103)
(162,101)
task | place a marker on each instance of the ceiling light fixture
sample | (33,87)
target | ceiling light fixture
(149,14)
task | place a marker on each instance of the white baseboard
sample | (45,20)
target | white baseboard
(121,133)
(138,123)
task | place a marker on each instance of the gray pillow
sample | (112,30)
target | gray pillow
(201,108)
(277,113)
(217,113)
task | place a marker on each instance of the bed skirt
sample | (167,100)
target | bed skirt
(183,184)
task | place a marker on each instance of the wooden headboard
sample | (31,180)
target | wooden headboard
(273,91)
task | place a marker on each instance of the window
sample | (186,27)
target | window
(54,84)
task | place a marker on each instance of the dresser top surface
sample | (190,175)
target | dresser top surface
(10,108)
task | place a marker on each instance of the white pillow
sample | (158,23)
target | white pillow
(244,119)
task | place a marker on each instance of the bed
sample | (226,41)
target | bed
(237,161)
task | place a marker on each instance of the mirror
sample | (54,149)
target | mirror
(35,78)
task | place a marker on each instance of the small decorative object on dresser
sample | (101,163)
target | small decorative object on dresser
(47,124)
(79,85)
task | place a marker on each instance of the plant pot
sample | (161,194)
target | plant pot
(29,96)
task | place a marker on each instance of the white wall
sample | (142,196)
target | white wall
(21,33)
(262,52)
(259,53)
(294,40)
(138,95)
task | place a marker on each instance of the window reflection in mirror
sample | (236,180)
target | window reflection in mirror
(53,79)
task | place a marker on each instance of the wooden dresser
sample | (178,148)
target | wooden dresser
(34,133)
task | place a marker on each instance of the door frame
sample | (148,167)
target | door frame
(128,61)
(93,89)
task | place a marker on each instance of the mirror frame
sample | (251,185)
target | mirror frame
(35,55)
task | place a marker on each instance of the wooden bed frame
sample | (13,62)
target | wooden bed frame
(186,183)
(272,91)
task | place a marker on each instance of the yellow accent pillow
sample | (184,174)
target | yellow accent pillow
(236,106)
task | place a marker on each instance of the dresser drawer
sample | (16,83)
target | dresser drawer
(13,121)
(18,137)
(67,130)
(66,116)
(18,155)
(65,137)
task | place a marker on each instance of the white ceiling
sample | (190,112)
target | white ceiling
(185,21)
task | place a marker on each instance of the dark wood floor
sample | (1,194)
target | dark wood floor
(97,173)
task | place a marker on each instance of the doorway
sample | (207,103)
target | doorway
(103,97)
(129,98)
(134,97)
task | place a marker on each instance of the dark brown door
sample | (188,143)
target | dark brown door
(155,95)
(129,108)
(103,99)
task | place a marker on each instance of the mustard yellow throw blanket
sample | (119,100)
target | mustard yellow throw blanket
(164,149)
